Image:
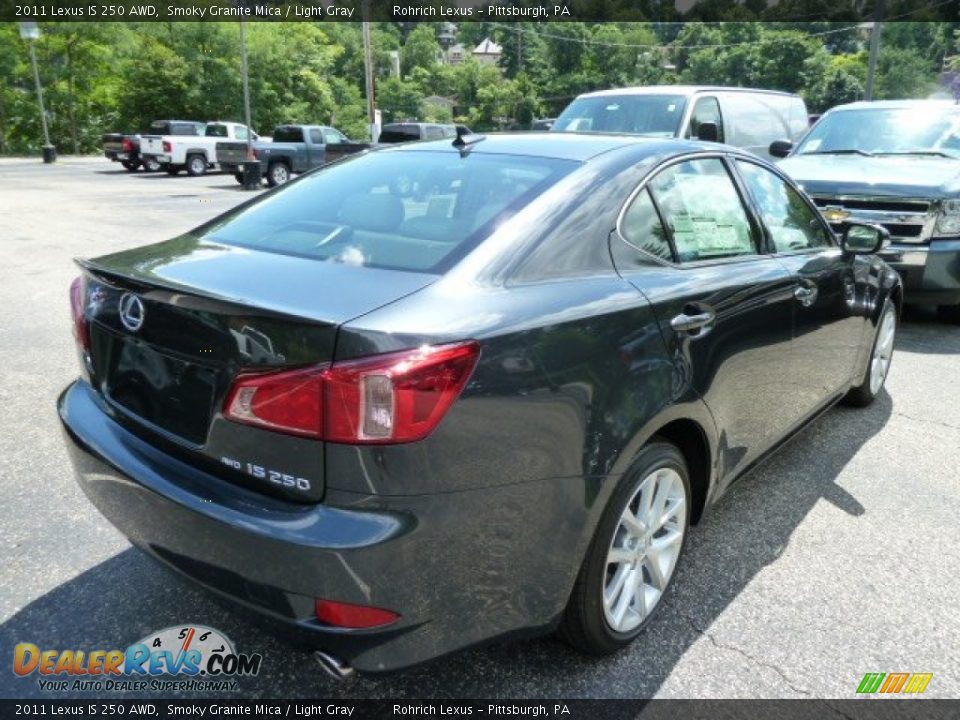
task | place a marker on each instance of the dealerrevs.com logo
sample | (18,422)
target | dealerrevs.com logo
(185,657)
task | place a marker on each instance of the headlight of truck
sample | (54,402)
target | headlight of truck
(948,222)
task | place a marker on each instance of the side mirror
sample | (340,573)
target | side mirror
(708,132)
(780,148)
(863,238)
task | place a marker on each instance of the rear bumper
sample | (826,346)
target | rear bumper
(460,568)
(931,273)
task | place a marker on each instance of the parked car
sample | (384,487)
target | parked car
(125,149)
(745,118)
(896,163)
(194,153)
(400,132)
(543,124)
(294,149)
(493,410)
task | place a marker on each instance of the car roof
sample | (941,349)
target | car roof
(942,104)
(685,90)
(560,145)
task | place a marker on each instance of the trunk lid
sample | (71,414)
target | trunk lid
(172,325)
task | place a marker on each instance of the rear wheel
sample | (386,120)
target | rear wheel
(277,174)
(880,356)
(949,313)
(151,165)
(238,176)
(130,165)
(631,561)
(196,165)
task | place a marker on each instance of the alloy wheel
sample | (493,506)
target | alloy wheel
(644,551)
(883,351)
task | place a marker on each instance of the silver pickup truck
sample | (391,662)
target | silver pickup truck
(294,149)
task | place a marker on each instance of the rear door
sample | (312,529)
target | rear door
(725,309)
(828,320)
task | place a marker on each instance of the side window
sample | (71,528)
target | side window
(707,109)
(641,227)
(703,211)
(332,137)
(432,132)
(315,137)
(241,133)
(792,223)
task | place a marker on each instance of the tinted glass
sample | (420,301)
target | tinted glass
(706,110)
(703,211)
(657,115)
(316,137)
(792,224)
(289,133)
(400,210)
(642,228)
(216,130)
(932,128)
(399,133)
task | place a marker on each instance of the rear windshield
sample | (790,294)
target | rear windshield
(655,115)
(399,133)
(415,211)
(288,134)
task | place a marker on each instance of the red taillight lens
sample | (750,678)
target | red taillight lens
(346,615)
(167,146)
(78,310)
(285,401)
(393,398)
(127,145)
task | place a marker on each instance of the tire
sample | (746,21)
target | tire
(589,623)
(277,174)
(151,165)
(171,169)
(238,176)
(949,313)
(130,165)
(881,354)
(196,165)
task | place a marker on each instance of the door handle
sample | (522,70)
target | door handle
(684,323)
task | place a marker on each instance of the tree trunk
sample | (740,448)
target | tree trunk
(72,99)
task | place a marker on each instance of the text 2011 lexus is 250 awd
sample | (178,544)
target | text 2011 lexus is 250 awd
(446,392)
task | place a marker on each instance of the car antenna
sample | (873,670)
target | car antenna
(465,140)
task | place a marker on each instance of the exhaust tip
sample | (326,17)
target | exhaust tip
(335,667)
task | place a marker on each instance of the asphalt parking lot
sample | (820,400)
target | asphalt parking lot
(837,557)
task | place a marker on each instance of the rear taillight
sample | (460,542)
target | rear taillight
(78,310)
(393,398)
(127,145)
(167,146)
(346,615)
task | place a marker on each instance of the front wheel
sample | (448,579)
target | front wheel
(880,356)
(636,549)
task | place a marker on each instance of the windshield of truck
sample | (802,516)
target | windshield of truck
(288,135)
(933,130)
(654,115)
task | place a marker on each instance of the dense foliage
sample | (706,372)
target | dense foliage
(118,77)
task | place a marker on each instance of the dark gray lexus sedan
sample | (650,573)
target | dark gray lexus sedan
(451,391)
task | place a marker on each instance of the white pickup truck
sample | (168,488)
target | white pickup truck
(194,153)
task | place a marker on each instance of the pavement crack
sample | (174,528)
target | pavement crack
(733,648)
(928,421)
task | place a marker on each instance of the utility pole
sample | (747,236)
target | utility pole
(252,174)
(368,74)
(874,49)
(30,31)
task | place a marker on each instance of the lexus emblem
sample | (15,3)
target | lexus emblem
(131,312)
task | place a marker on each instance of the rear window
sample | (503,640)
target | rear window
(288,134)
(399,133)
(399,210)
